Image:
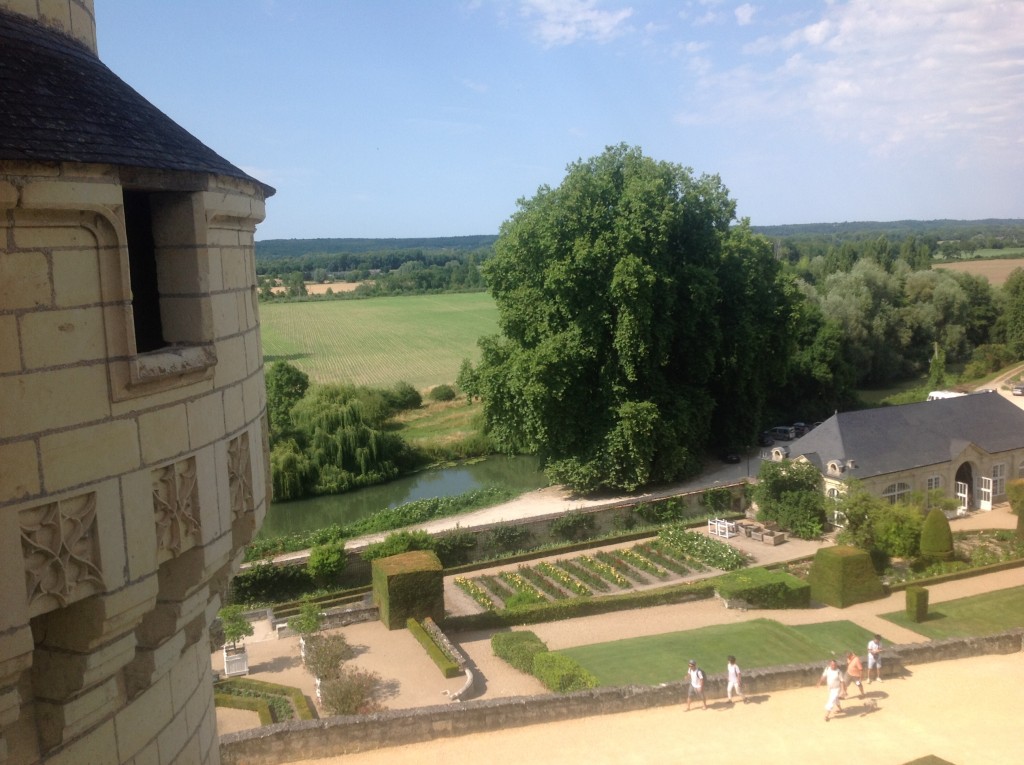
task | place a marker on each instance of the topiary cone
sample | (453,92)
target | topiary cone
(936,536)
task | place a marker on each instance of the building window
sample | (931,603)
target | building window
(934,482)
(999,479)
(896,492)
(171,328)
(138,224)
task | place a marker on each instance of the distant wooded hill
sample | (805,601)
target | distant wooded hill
(276,249)
(898,229)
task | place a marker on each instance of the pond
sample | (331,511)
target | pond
(520,474)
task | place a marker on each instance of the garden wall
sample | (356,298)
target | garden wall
(331,737)
(607,518)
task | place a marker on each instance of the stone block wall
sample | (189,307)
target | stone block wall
(129,482)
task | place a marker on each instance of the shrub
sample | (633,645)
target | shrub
(401,396)
(664,511)
(398,543)
(352,692)
(454,547)
(518,648)
(561,674)
(325,653)
(936,537)
(442,392)
(1015,495)
(917,603)
(572,526)
(897,529)
(842,576)
(326,563)
(717,501)
(507,538)
(267,583)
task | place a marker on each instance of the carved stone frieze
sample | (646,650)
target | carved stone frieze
(62,562)
(240,476)
(176,508)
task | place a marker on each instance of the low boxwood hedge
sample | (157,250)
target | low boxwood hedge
(571,608)
(764,588)
(448,667)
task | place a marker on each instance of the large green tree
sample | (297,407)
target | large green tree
(611,298)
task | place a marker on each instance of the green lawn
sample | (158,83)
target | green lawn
(421,339)
(977,615)
(760,643)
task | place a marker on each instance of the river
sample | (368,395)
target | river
(520,474)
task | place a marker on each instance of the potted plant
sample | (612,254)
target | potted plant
(236,627)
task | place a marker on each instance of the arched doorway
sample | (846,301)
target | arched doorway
(965,487)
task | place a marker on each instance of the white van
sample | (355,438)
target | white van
(783,432)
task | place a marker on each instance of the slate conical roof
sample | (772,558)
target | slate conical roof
(60,103)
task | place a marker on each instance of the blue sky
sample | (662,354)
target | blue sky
(404,118)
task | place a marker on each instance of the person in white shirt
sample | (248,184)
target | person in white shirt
(732,671)
(875,658)
(696,684)
(833,679)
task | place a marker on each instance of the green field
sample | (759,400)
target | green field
(760,643)
(421,339)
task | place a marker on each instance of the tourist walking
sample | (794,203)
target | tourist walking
(875,658)
(734,674)
(833,679)
(854,672)
(696,684)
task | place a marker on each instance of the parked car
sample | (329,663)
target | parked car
(765,439)
(730,457)
(782,432)
(1018,389)
(801,429)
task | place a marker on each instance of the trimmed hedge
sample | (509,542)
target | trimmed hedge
(764,588)
(936,536)
(408,585)
(561,674)
(518,648)
(448,667)
(843,576)
(583,606)
(248,703)
(301,704)
(917,603)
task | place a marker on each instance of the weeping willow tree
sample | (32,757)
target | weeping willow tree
(338,442)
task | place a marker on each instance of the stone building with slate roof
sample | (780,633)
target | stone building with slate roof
(968,447)
(133,458)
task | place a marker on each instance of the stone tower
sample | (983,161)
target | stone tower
(133,459)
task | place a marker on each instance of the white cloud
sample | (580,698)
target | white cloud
(745,14)
(896,75)
(564,22)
